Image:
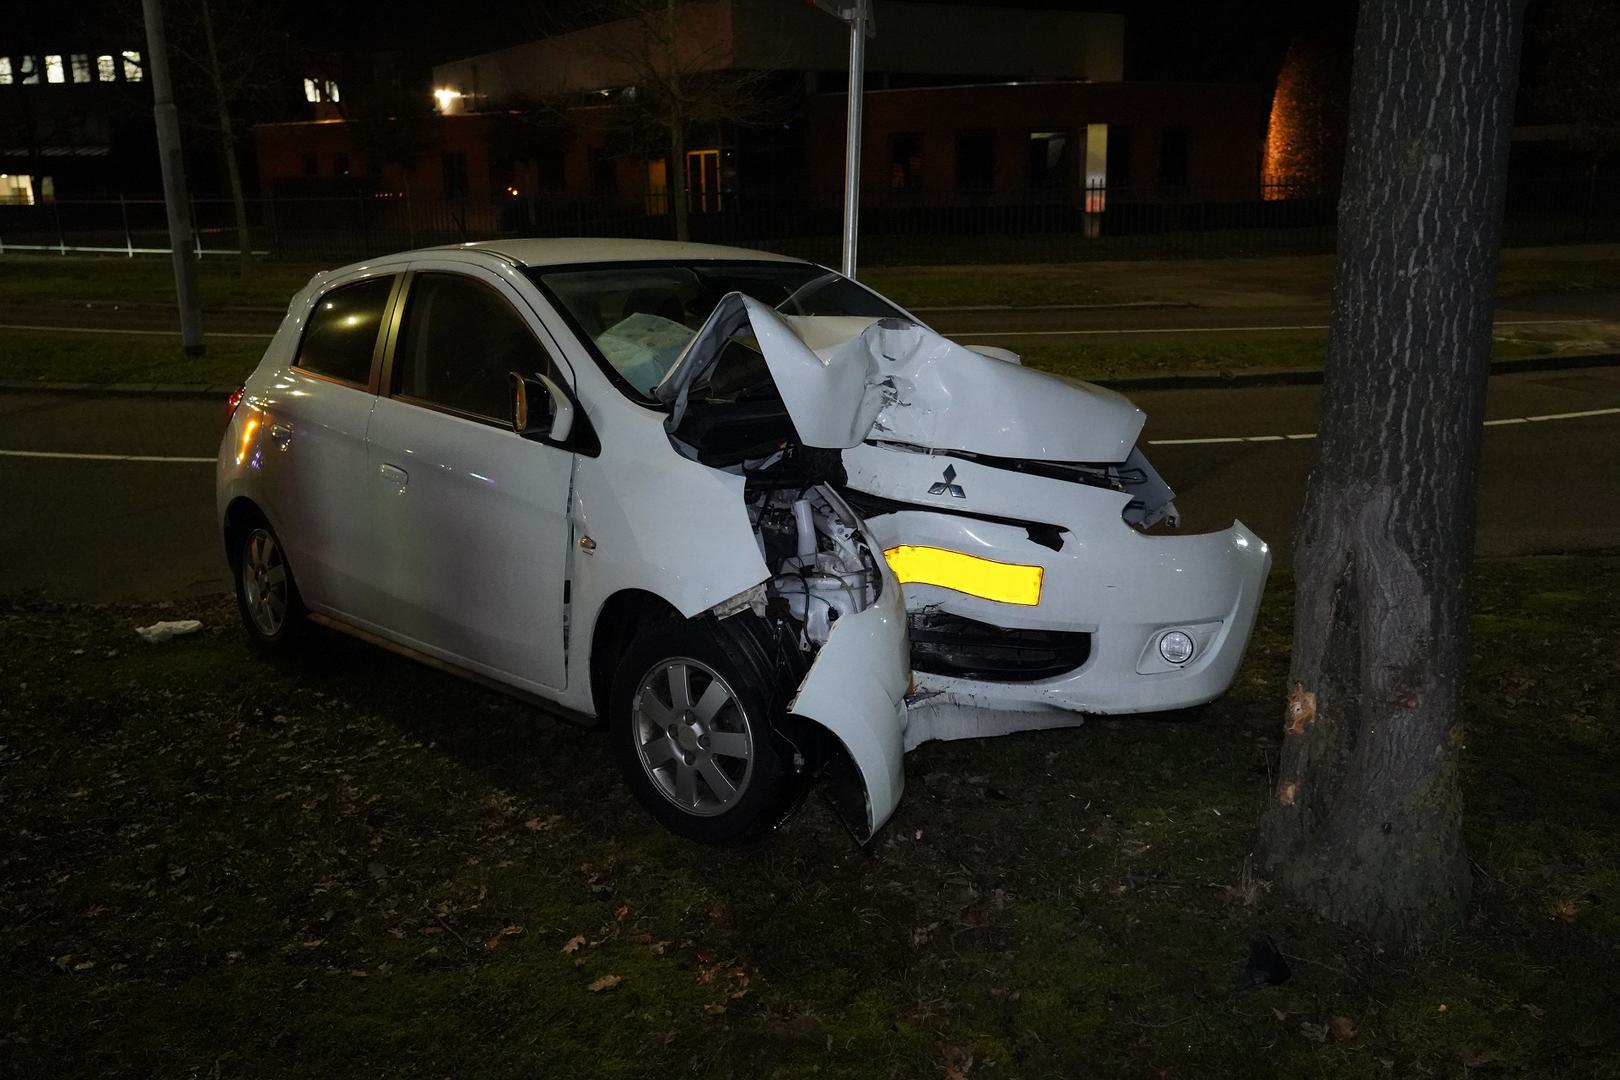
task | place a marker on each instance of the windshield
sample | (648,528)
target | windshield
(639,317)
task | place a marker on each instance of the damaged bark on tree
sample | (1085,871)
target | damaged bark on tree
(1366,823)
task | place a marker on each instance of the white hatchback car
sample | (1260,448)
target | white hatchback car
(617,477)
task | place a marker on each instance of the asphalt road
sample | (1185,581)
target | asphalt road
(94,529)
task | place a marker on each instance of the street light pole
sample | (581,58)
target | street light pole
(175,198)
(852,133)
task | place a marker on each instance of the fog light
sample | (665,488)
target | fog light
(1176,647)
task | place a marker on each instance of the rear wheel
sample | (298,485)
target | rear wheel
(266,594)
(692,724)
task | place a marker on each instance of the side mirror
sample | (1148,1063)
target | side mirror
(540,408)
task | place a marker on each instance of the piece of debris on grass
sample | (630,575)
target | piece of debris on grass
(159,632)
(573,944)
(606,982)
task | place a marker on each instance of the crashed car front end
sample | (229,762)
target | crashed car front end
(1016,509)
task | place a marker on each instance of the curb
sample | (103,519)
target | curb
(1217,381)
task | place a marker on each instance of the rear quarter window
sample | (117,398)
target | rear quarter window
(341,338)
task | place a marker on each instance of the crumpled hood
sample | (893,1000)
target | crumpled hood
(844,380)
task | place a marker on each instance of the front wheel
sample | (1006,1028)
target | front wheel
(691,719)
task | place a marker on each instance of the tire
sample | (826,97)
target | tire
(680,752)
(266,595)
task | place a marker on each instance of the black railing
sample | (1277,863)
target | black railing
(897,227)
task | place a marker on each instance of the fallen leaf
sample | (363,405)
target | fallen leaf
(573,944)
(503,932)
(606,982)
(1340,1029)
(1313,1032)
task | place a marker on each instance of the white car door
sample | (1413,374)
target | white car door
(469,520)
(312,461)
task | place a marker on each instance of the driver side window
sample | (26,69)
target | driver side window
(457,344)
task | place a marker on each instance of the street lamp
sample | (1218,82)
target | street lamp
(858,14)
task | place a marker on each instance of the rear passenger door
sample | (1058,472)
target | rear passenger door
(470,521)
(313,462)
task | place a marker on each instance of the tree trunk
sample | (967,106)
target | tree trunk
(1366,826)
(227,140)
(677,181)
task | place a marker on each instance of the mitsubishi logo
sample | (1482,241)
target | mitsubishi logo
(948,486)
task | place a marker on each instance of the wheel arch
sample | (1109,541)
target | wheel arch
(239,513)
(617,621)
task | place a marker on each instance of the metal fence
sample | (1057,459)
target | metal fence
(1098,222)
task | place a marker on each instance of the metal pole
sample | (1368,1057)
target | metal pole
(175,198)
(129,241)
(852,134)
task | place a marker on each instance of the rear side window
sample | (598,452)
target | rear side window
(342,332)
(459,341)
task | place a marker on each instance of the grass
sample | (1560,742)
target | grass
(31,356)
(1275,280)
(346,863)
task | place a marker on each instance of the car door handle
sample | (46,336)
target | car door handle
(393,474)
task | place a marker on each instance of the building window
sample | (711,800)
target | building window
(549,163)
(28,70)
(5,71)
(106,70)
(905,163)
(311,167)
(331,91)
(1173,155)
(340,165)
(132,66)
(81,67)
(54,71)
(976,162)
(455,174)
(1050,156)
(604,172)
(312,92)
(1119,157)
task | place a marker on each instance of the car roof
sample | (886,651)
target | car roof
(571,251)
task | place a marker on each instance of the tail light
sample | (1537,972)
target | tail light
(233,401)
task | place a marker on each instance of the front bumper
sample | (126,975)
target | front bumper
(1122,587)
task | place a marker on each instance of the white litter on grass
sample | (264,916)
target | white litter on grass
(159,632)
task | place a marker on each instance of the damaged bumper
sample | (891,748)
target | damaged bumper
(856,690)
(1108,595)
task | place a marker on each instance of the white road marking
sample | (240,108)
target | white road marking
(57,455)
(1216,329)
(139,333)
(1219,439)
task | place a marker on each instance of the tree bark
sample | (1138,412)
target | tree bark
(1366,824)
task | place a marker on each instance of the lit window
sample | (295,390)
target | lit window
(81,67)
(106,70)
(331,91)
(311,91)
(54,71)
(5,71)
(132,66)
(29,69)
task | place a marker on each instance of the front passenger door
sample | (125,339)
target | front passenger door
(471,520)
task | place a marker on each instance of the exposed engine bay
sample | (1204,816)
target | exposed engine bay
(822,568)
